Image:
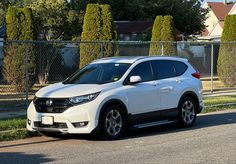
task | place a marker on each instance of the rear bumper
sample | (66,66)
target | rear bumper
(201,107)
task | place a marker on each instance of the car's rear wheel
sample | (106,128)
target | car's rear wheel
(187,112)
(112,122)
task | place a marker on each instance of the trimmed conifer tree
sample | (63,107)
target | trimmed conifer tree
(98,26)
(108,32)
(168,35)
(20,26)
(226,65)
(155,48)
(91,32)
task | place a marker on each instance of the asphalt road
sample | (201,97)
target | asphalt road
(211,140)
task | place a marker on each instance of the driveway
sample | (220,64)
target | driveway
(211,140)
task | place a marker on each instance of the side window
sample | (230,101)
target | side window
(164,69)
(180,67)
(143,70)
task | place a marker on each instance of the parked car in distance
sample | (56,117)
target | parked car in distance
(111,94)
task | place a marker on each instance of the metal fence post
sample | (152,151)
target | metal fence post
(26,79)
(162,49)
(212,66)
(101,48)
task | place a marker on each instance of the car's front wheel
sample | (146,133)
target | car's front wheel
(112,122)
(187,112)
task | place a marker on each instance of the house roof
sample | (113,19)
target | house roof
(222,24)
(220,9)
(133,27)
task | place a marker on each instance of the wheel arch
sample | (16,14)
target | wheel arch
(193,96)
(112,102)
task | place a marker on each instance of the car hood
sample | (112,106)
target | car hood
(60,90)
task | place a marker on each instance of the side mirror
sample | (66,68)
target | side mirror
(135,79)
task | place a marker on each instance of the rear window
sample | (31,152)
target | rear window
(168,68)
(164,69)
(180,67)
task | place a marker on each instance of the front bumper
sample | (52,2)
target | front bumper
(66,122)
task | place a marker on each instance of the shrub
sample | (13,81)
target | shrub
(98,25)
(20,26)
(226,64)
(91,32)
(155,48)
(108,32)
(167,34)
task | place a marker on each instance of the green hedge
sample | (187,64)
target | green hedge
(226,65)
(98,26)
(163,30)
(20,26)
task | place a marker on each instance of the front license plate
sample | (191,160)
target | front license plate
(46,120)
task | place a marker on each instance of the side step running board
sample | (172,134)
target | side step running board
(154,123)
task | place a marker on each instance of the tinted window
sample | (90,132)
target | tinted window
(99,73)
(179,67)
(164,69)
(143,70)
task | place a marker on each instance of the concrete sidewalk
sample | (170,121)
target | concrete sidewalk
(222,93)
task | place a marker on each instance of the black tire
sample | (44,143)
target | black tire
(110,129)
(187,112)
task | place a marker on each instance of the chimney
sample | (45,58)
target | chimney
(225,2)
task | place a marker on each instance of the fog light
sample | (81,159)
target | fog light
(80,124)
(29,121)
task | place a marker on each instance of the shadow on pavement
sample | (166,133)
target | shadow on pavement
(28,143)
(22,158)
(202,121)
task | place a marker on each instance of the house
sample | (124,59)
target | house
(133,30)
(138,31)
(215,21)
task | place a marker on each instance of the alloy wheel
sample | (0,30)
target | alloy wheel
(188,112)
(113,122)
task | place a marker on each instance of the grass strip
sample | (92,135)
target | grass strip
(14,128)
(219,103)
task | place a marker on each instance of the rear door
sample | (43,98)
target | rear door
(168,82)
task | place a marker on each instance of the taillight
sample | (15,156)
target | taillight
(196,75)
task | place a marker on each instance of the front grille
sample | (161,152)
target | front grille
(56,105)
(55,125)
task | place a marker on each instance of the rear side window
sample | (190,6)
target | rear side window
(143,70)
(164,69)
(180,67)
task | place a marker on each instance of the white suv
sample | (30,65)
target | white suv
(111,94)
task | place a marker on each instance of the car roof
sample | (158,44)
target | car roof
(133,59)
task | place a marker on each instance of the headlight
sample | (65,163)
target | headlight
(84,98)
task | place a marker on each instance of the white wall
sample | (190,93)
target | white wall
(233,10)
(212,20)
(217,30)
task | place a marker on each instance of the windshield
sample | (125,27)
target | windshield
(99,73)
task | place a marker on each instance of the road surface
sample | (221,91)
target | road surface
(212,140)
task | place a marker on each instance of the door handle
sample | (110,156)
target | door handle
(155,83)
(166,89)
(179,81)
